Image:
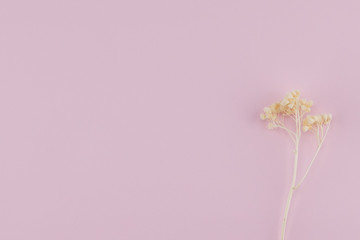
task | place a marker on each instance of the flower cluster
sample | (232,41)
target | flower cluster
(270,113)
(313,121)
(289,106)
(290,103)
(305,105)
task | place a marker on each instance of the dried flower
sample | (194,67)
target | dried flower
(305,105)
(295,108)
(289,105)
(314,121)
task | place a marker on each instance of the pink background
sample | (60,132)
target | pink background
(139,120)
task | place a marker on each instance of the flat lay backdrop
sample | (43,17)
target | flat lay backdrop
(139,120)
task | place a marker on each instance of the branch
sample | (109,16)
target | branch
(312,161)
(290,132)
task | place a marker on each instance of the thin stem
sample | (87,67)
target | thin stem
(287,129)
(290,194)
(292,188)
(312,161)
(318,135)
(291,133)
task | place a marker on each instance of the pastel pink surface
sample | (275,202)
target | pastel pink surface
(139,120)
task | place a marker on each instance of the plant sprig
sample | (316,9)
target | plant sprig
(291,106)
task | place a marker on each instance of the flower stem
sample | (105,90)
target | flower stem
(291,191)
(293,182)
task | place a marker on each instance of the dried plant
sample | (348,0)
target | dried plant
(294,108)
